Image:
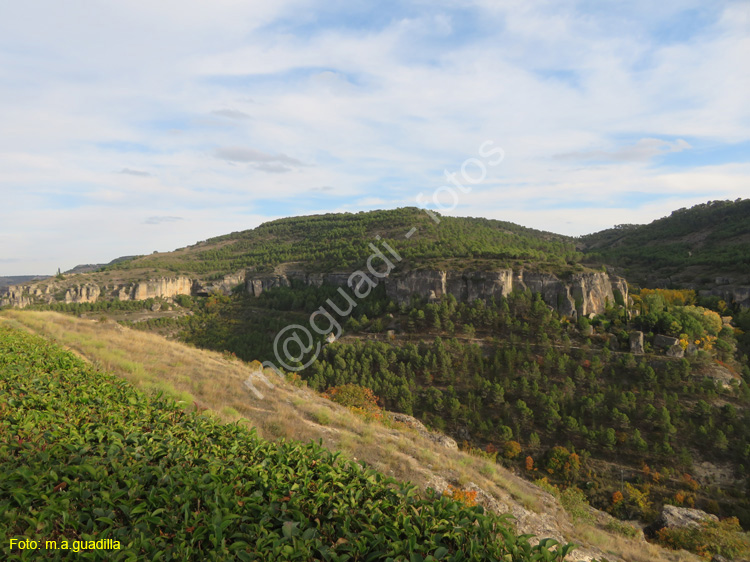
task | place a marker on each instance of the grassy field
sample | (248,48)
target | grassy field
(202,379)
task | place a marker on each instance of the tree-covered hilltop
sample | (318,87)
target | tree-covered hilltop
(340,242)
(690,246)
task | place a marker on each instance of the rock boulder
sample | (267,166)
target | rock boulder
(673,517)
(636,343)
(665,342)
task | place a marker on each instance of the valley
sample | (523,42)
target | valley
(549,361)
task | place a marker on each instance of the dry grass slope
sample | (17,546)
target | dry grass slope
(212,381)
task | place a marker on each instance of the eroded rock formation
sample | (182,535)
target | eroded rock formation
(583,293)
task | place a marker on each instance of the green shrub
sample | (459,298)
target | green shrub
(322,417)
(622,528)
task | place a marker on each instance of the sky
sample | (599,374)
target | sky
(133,127)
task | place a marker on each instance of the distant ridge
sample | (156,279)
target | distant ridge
(705,246)
(6,282)
(90,267)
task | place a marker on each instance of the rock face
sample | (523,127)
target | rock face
(584,293)
(50,291)
(164,288)
(15,296)
(720,375)
(675,351)
(225,287)
(730,294)
(614,343)
(673,517)
(83,293)
(256,284)
(414,423)
(665,341)
(636,343)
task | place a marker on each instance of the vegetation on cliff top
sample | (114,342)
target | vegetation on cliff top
(339,242)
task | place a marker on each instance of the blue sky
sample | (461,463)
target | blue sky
(139,126)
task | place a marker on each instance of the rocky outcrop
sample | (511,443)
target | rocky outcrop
(665,341)
(16,296)
(225,287)
(636,343)
(82,293)
(583,293)
(550,521)
(729,293)
(162,288)
(255,284)
(51,291)
(434,285)
(419,427)
(675,350)
(720,375)
(673,517)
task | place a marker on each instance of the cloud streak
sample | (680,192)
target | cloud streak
(642,151)
(138,173)
(273,163)
(162,220)
(231,114)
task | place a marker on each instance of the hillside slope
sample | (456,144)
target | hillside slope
(286,410)
(339,241)
(92,466)
(706,246)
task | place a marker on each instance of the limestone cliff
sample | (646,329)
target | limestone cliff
(82,293)
(161,288)
(15,295)
(51,290)
(583,293)
(730,294)
(255,284)
(225,286)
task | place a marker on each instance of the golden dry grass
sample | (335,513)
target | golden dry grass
(208,380)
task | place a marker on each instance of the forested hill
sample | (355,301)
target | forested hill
(340,241)
(689,247)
